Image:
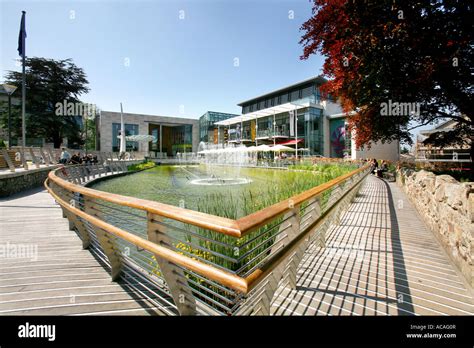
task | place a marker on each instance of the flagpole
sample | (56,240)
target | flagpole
(122,148)
(23,93)
(296,132)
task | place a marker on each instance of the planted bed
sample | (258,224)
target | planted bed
(230,192)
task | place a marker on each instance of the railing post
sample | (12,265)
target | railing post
(112,167)
(75,221)
(45,158)
(33,158)
(96,170)
(100,158)
(10,164)
(51,156)
(315,204)
(107,241)
(101,169)
(81,174)
(292,227)
(174,276)
(21,151)
(74,175)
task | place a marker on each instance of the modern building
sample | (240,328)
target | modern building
(171,135)
(207,129)
(297,115)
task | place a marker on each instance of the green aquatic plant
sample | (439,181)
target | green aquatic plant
(141,166)
(173,185)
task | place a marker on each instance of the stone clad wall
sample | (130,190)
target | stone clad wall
(12,183)
(447,207)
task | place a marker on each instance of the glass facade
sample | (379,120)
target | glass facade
(154,130)
(206,124)
(276,129)
(309,90)
(181,139)
(174,138)
(313,130)
(130,129)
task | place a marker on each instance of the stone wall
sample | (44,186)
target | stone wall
(447,207)
(12,183)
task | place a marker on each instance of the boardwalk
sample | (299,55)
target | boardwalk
(61,278)
(381,260)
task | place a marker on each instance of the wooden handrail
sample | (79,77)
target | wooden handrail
(203,220)
(235,228)
(225,278)
(256,276)
(260,218)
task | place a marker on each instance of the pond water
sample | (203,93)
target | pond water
(231,192)
(225,191)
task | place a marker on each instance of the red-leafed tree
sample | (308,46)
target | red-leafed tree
(398,51)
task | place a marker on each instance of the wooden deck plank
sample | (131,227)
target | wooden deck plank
(61,278)
(380,260)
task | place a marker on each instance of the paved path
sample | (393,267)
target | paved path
(381,260)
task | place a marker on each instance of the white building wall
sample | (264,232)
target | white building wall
(388,151)
(380,151)
(329,108)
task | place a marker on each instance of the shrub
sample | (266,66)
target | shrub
(141,166)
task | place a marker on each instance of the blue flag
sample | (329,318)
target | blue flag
(22,36)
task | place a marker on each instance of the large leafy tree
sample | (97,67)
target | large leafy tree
(399,51)
(48,82)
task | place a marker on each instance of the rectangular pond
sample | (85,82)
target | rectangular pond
(230,192)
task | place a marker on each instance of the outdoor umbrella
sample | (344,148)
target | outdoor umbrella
(279,148)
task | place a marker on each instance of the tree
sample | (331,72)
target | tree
(49,82)
(398,53)
(90,137)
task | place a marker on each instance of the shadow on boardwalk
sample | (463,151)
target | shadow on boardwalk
(381,260)
(62,278)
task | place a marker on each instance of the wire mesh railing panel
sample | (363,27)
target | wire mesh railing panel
(262,257)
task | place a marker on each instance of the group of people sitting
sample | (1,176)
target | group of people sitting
(376,169)
(66,158)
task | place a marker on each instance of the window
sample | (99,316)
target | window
(130,129)
(295,95)
(306,92)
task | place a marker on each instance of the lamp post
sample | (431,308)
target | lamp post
(9,89)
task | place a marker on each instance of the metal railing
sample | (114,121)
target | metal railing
(35,157)
(460,155)
(200,263)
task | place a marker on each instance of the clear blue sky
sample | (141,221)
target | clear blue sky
(173,62)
